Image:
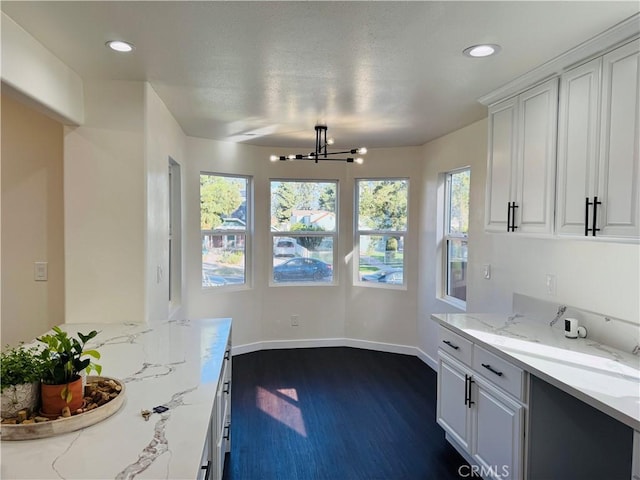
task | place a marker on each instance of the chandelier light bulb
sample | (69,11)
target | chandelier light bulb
(274,158)
(330,141)
(359,161)
(362,150)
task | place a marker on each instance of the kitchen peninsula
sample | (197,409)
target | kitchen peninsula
(183,365)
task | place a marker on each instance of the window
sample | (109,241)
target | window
(456,217)
(224,226)
(381,207)
(303,231)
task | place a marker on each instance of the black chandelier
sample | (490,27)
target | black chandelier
(321,153)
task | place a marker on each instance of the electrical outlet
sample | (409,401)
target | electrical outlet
(294,320)
(551,284)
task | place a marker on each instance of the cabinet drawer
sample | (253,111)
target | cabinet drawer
(455,345)
(499,371)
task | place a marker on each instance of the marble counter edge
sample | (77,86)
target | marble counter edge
(531,369)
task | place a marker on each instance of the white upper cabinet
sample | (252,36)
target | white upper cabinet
(598,136)
(522,161)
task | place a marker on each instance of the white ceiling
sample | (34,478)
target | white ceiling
(380,74)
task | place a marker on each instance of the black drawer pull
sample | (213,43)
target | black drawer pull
(207,469)
(227,388)
(227,354)
(491,369)
(455,347)
(227,431)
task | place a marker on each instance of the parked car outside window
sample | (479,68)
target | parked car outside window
(392,276)
(284,248)
(302,269)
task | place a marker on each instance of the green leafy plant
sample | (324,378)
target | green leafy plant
(64,358)
(20,365)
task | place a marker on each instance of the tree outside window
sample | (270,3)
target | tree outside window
(455,234)
(223,227)
(381,230)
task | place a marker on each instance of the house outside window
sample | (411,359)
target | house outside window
(381,228)
(225,235)
(303,231)
(455,241)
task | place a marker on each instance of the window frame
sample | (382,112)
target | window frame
(358,233)
(447,236)
(248,236)
(273,235)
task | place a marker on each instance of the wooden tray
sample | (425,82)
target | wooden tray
(65,425)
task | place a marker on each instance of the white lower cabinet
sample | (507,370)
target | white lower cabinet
(635,468)
(485,423)
(218,441)
(496,432)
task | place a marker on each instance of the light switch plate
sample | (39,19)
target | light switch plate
(41,273)
(486,271)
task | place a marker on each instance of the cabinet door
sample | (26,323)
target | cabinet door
(500,166)
(497,432)
(579,119)
(619,167)
(536,158)
(452,413)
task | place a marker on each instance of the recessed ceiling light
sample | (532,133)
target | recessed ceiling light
(478,51)
(119,45)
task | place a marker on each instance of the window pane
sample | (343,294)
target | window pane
(382,205)
(303,259)
(459,202)
(222,259)
(223,226)
(382,259)
(303,206)
(457,268)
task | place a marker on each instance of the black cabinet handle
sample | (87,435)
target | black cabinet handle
(227,354)
(586,217)
(207,469)
(227,431)
(491,369)
(595,216)
(227,387)
(511,217)
(468,381)
(455,347)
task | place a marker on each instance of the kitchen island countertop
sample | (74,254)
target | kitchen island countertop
(176,364)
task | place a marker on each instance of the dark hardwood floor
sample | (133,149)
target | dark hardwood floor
(336,414)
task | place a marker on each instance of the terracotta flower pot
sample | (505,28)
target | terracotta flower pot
(19,397)
(52,401)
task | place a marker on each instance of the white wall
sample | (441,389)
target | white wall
(32,222)
(37,77)
(592,275)
(104,187)
(163,139)
(262,314)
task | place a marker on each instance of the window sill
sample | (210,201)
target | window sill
(454,302)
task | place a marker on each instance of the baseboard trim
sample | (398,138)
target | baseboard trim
(335,342)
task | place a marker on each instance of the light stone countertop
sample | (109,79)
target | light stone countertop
(601,376)
(177,364)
